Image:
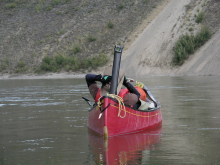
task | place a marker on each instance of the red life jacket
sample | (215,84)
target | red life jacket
(122,93)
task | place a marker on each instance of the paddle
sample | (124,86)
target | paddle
(115,69)
(87,100)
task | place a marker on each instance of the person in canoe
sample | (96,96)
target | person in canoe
(130,94)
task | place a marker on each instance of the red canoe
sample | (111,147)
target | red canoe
(109,120)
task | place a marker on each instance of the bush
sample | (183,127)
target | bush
(110,25)
(56,2)
(75,49)
(99,60)
(94,62)
(188,44)
(20,67)
(48,65)
(202,36)
(4,64)
(70,63)
(59,60)
(200,17)
(91,38)
(10,5)
(145,1)
(120,7)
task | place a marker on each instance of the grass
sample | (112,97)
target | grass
(20,67)
(11,5)
(91,38)
(199,17)
(74,49)
(145,1)
(4,64)
(188,44)
(120,7)
(47,5)
(70,63)
(110,25)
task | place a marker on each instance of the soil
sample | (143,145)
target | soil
(151,53)
(148,49)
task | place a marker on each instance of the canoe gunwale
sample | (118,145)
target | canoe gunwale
(116,102)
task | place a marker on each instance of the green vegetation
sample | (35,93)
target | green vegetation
(74,49)
(145,1)
(91,38)
(120,7)
(10,5)
(4,64)
(199,17)
(20,67)
(188,44)
(190,29)
(38,5)
(70,63)
(110,25)
(47,5)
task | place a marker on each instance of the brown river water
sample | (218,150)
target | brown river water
(44,122)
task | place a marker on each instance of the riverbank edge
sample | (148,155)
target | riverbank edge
(69,75)
(42,76)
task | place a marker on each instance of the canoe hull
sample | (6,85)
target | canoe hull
(115,122)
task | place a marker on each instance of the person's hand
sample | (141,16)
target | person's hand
(106,79)
(125,80)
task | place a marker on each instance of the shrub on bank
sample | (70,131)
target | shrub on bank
(11,5)
(199,17)
(70,63)
(188,44)
(20,67)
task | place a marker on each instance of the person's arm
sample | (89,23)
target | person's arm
(91,83)
(92,78)
(131,98)
(131,88)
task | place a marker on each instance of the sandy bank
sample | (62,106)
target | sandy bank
(44,76)
(151,52)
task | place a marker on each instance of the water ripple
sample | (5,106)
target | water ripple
(208,129)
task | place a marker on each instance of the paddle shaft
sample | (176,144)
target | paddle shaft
(87,100)
(115,69)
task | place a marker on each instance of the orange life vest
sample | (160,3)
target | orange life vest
(143,95)
(122,93)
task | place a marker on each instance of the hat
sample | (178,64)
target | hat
(106,88)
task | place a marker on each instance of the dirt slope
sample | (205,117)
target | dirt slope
(32,30)
(151,52)
(147,28)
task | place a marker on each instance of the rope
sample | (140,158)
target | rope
(121,106)
(99,104)
(139,84)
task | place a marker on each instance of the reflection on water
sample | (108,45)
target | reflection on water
(45,122)
(124,149)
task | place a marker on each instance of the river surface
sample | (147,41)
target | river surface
(44,122)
